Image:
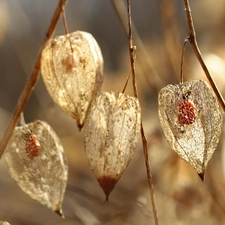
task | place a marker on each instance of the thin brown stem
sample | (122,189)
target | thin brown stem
(194,44)
(66,30)
(29,86)
(131,50)
(182,60)
(143,58)
(149,175)
(22,119)
(171,34)
(144,139)
(125,86)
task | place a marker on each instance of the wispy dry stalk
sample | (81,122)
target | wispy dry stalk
(143,58)
(132,49)
(171,34)
(194,44)
(29,86)
(182,61)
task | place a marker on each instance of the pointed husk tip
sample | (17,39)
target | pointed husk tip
(80,125)
(60,213)
(107,183)
(202,176)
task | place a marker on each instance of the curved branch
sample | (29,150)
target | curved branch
(29,86)
(194,44)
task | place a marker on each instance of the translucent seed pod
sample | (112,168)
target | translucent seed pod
(72,70)
(4,223)
(36,161)
(191,120)
(111,132)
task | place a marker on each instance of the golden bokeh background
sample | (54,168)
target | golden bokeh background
(181,197)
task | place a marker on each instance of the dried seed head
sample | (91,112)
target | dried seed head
(36,161)
(72,70)
(191,120)
(111,132)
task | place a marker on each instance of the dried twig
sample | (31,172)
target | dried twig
(182,60)
(29,86)
(66,30)
(144,60)
(194,44)
(171,34)
(144,139)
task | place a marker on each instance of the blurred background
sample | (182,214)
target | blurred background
(161,28)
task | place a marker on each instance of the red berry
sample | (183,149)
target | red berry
(32,146)
(186,113)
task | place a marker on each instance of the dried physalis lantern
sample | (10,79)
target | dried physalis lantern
(36,161)
(191,120)
(4,223)
(72,69)
(111,132)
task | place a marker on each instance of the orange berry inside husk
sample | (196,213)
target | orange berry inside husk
(186,113)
